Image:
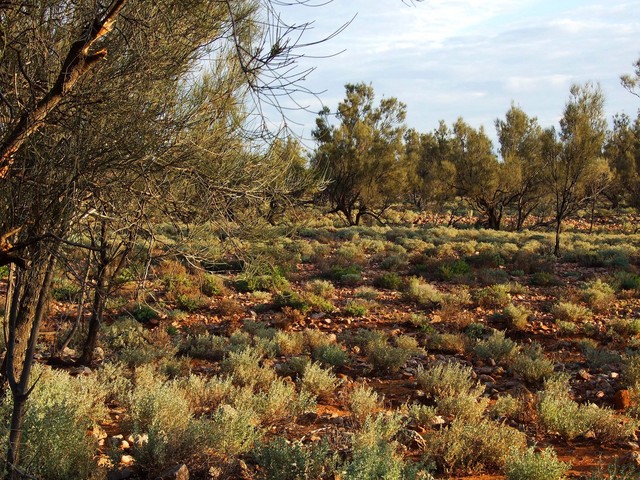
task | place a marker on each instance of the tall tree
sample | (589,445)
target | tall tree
(360,157)
(479,178)
(572,155)
(521,151)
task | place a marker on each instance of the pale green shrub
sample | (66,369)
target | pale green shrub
(318,381)
(530,465)
(497,347)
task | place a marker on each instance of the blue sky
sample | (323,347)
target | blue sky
(470,58)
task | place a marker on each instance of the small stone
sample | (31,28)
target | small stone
(127,460)
(600,394)
(116,440)
(68,352)
(124,445)
(179,472)
(584,374)
(614,374)
(98,354)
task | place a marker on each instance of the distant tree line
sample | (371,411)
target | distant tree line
(537,176)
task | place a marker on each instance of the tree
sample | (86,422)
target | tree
(632,82)
(572,155)
(479,176)
(360,158)
(80,130)
(428,160)
(521,151)
(622,150)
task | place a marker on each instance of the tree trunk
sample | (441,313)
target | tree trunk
(99,300)
(19,359)
(556,250)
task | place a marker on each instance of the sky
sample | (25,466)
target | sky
(447,59)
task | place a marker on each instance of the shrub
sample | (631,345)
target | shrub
(389,281)
(58,414)
(492,276)
(143,313)
(290,343)
(291,299)
(505,406)
(598,357)
(625,281)
(516,317)
(496,347)
(448,342)
(474,446)
(363,402)
(191,301)
(64,290)
(424,294)
(322,288)
(453,270)
(280,459)
(631,371)
(598,295)
(331,355)
(211,285)
(495,296)
(447,380)
(532,365)
(244,368)
(318,381)
(530,465)
(570,312)
(384,357)
(366,293)
(544,279)
(206,345)
(357,308)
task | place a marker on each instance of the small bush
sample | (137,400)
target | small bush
(143,313)
(211,285)
(422,293)
(322,288)
(318,381)
(447,380)
(357,308)
(331,355)
(532,365)
(366,293)
(598,295)
(544,279)
(571,312)
(291,299)
(470,447)
(496,347)
(389,281)
(363,402)
(281,460)
(495,296)
(453,270)
(625,281)
(448,342)
(191,302)
(516,317)
(384,357)
(530,465)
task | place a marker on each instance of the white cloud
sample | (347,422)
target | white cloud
(471,58)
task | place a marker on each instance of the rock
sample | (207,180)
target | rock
(614,374)
(179,472)
(68,352)
(127,460)
(98,354)
(487,379)
(583,374)
(116,440)
(622,400)
(124,445)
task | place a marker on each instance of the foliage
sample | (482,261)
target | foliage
(531,465)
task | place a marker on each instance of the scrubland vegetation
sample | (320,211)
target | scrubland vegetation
(185,294)
(327,359)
